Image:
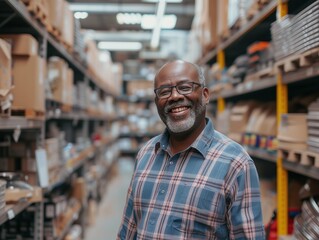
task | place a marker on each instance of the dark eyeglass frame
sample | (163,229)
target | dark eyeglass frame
(156,90)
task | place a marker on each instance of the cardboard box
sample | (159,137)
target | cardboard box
(5,65)
(67,25)
(239,116)
(58,78)
(55,9)
(222,16)
(22,44)
(140,88)
(293,128)
(28,79)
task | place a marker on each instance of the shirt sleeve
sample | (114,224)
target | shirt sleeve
(245,215)
(128,225)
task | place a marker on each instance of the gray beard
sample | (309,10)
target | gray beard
(184,125)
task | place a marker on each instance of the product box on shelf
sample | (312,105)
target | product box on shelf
(222,16)
(141,88)
(60,79)
(28,79)
(22,44)
(55,20)
(67,25)
(5,65)
(293,127)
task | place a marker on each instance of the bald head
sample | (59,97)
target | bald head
(179,66)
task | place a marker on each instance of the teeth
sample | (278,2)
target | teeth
(179,109)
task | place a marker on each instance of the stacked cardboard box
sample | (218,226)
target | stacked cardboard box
(5,76)
(239,118)
(292,133)
(28,72)
(60,79)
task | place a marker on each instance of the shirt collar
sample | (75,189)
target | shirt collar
(201,144)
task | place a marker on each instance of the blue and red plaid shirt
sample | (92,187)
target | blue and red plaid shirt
(209,191)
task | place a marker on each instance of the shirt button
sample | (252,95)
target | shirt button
(171,163)
(163,191)
(152,221)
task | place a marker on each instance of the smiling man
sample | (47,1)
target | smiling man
(191,182)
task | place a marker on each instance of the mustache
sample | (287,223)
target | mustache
(169,107)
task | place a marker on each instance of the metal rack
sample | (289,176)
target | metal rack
(14,18)
(278,84)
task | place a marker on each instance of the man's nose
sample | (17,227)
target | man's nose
(175,94)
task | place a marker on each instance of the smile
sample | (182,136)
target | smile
(178,109)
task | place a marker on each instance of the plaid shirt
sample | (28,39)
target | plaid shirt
(208,191)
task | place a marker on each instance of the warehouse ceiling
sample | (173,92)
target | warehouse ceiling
(101,22)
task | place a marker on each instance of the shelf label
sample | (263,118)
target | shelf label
(10,214)
(42,167)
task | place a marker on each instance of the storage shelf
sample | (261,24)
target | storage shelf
(247,88)
(58,48)
(21,10)
(308,171)
(301,74)
(262,154)
(20,122)
(71,166)
(67,227)
(269,9)
(12,210)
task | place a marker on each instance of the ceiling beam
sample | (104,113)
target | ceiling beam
(130,8)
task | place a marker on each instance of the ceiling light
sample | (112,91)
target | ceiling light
(129,18)
(168,1)
(157,29)
(167,22)
(120,46)
(81,15)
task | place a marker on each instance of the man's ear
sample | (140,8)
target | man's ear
(206,95)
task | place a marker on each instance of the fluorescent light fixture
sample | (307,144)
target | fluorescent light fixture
(81,15)
(167,22)
(168,1)
(129,18)
(157,29)
(120,46)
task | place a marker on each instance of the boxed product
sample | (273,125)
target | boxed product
(28,80)
(58,78)
(293,127)
(5,65)
(22,44)
(55,9)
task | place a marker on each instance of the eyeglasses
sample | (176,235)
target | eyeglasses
(182,88)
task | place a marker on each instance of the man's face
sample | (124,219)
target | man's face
(181,113)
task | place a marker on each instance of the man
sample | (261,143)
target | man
(191,182)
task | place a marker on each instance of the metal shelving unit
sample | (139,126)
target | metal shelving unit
(309,171)
(276,87)
(15,18)
(12,210)
(247,88)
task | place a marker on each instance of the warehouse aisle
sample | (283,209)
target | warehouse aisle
(109,212)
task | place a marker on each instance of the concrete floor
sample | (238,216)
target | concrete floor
(109,212)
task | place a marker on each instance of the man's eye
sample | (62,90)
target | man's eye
(184,87)
(165,92)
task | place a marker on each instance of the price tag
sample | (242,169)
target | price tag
(42,166)
(10,214)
